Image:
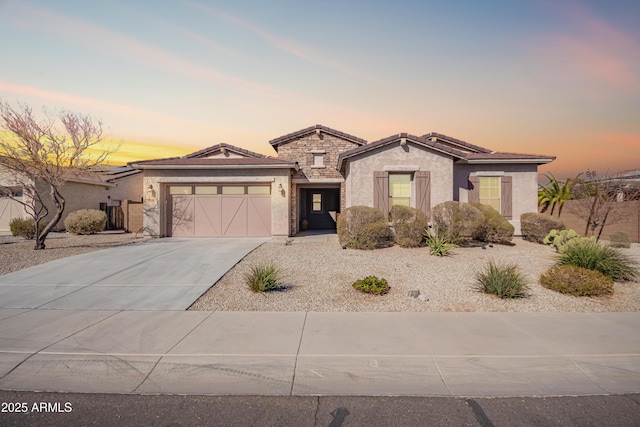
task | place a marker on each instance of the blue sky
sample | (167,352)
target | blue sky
(170,77)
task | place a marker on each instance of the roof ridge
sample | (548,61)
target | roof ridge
(456,141)
(335,132)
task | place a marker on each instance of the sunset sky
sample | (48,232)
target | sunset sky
(556,77)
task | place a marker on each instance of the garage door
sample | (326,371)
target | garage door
(219,210)
(9,209)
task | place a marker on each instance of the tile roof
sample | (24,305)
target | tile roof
(507,156)
(206,151)
(285,138)
(457,143)
(214,163)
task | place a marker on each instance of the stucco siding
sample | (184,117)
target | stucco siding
(524,181)
(156,184)
(397,158)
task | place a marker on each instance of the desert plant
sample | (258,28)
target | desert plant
(372,285)
(495,228)
(458,222)
(535,226)
(505,281)
(609,261)
(620,239)
(576,281)
(560,239)
(408,224)
(437,244)
(25,227)
(86,221)
(263,278)
(363,227)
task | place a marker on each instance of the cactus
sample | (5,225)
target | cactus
(561,239)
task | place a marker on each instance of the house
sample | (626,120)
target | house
(225,190)
(100,190)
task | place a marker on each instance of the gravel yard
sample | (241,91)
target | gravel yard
(17,253)
(318,277)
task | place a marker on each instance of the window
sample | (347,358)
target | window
(399,189)
(317,202)
(236,189)
(259,189)
(490,191)
(206,189)
(180,189)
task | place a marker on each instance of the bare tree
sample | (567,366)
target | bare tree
(41,153)
(598,201)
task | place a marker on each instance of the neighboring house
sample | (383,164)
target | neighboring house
(108,187)
(228,191)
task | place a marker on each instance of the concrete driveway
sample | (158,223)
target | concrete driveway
(161,274)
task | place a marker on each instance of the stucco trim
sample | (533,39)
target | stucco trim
(213,179)
(407,168)
(317,180)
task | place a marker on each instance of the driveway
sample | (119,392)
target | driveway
(161,274)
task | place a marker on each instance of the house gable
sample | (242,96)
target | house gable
(315,149)
(224,151)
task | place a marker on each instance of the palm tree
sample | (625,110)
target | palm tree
(555,193)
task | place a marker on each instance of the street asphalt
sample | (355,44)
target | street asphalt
(141,341)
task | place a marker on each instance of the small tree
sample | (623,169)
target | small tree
(555,193)
(597,201)
(39,156)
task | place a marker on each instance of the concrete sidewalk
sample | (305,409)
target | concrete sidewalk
(297,353)
(159,274)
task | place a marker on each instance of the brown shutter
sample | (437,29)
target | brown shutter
(381,191)
(474,189)
(423,191)
(506,190)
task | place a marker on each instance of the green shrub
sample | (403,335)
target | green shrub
(362,227)
(25,227)
(372,285)
(409,225)
(505,281)
(263,278)
(576,281)
(560,239)
(605,259)
(438,245)
(535,226)
(85,221)
(495,228)
(458,222)
(620,239)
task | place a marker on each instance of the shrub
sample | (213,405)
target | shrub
(535,226)
(437,244)
(505,281)
(362,227)
(409,225)
(576,281)
(25,227)
(560,239)
(620,239)
(372,285)
(263,278)
(605,259)
(495,228)
(458,222)
(85,221)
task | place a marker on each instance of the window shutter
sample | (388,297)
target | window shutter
(506,190)
(474,189)
(381,191)
(423,191)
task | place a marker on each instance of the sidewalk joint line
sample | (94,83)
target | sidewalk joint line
(295,366)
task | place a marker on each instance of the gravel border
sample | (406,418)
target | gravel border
(318,277)
(17,253)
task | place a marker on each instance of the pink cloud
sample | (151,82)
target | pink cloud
(592,46)
(281,43)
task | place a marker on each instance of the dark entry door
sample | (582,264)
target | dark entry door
(321,203)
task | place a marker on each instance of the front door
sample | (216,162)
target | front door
(322,206)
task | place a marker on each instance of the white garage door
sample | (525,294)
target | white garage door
(219,210)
